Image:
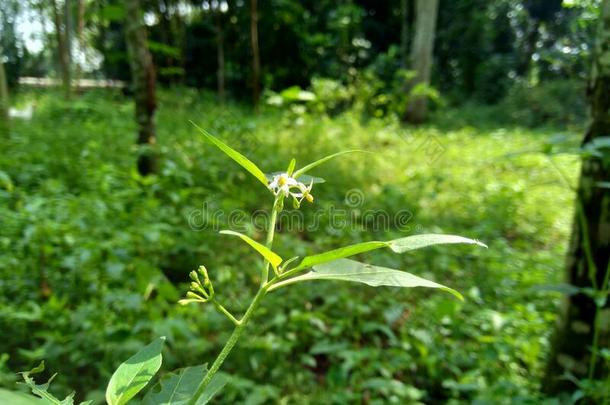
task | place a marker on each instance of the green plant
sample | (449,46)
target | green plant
(196,385)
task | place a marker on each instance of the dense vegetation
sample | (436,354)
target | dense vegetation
(484,119)
(94,256)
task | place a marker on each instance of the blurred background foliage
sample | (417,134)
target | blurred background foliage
(94,256)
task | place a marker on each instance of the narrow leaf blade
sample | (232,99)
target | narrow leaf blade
(318,162)
(420,241)
(273,258)
(375,276)
(243,161)
(135,373)
(177,388)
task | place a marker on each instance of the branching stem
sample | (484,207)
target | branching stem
(240,325)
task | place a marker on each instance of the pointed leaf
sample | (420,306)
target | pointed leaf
(318,162)
(235,155)
(135,373)
(375,276)
(178,388)
(291,166)
(397,245)
(420,241)
(273,258)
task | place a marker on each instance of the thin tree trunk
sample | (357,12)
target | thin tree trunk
(529,47)
(220,53)
(80,33)
(584,326)
(256,63)
(62,46)
(421,56)
(4,101)
(166,36)
(143,81)
(404,32)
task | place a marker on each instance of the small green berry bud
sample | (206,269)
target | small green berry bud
(193,276)
(203,271)
(192,295)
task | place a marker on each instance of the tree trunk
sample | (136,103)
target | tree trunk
(529,47)
(584,326)
(256,63)
(63,51)
(143,82)
(80,34)
(404,32)
(220,56)
(4,103)
(421,56)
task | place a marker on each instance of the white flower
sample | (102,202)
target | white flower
(305,192)
(285,185)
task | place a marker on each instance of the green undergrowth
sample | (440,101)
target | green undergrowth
(93,257)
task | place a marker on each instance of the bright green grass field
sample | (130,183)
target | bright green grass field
(94,257)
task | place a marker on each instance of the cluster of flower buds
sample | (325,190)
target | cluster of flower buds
(200,291)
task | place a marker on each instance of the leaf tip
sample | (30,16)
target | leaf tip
(455,293)
(479,243)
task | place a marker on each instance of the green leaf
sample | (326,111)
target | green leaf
(177,388)
(42,390)
(291,166)
(312,165)
(135,373)
(305,179)
(375,276)
(19,398)
(420,241)
(397,245)
(235,155)
(264,251)
(347,251)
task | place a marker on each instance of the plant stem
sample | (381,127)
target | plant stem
(228,346)
(270,235)
(596,325)
(225,311)
(240,324)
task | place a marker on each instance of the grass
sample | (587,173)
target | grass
(94,256)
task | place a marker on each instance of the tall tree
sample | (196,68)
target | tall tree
(220,55)
(256,62)
(4,102)
(63,47)
(404,32)
(421,56)
(80,32)
(581,330)
(143,81)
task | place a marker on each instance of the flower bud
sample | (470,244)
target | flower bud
(204,272)
(194,296)
(193,276)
